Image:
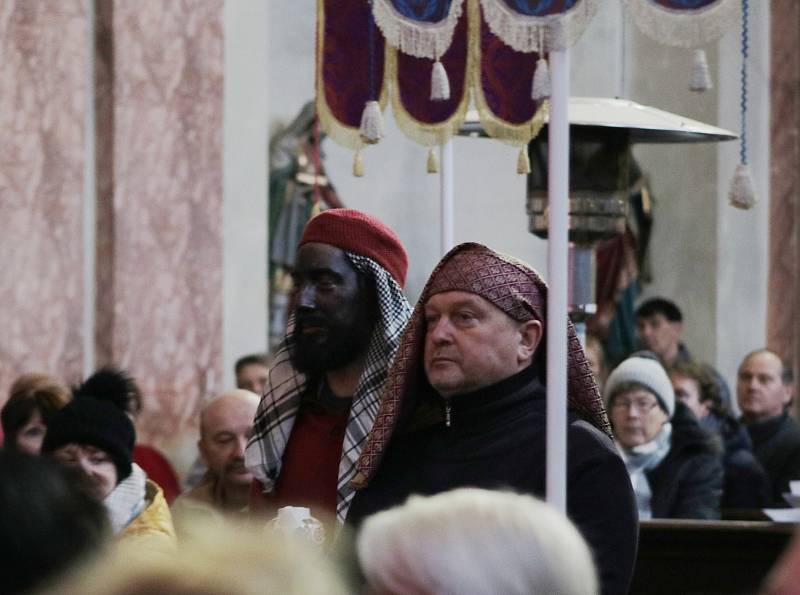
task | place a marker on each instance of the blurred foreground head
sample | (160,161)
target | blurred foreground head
(215,559)
(474,541)
(49,521)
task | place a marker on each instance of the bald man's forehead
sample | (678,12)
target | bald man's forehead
(764,359)
(229,412)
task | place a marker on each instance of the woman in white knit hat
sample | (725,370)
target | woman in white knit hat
(674,466)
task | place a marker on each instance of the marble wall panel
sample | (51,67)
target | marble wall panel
(783,318)
(160,231)
(42,93)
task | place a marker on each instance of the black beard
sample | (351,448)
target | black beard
(339,348)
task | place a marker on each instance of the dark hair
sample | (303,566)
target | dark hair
(704,377)
(260,359)
(49,520)
(115,385)
(659,306)
(29,393)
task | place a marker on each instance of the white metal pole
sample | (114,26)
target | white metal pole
(558,276)
(89,197)
(446,194)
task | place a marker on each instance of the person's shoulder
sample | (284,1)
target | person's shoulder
(583,435)
(154,523)
(789,433)
(688,433)
(203,492)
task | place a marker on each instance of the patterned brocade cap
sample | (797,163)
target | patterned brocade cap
(516,289)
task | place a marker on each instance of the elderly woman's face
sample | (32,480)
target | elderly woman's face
(636,417)
(94,462)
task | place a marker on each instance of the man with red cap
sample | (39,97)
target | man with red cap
(465,406)
(347,314)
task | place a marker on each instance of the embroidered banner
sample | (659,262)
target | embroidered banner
(422,119)
(350,67)
(502,78)
(684,23)
(538,25)
(421,28)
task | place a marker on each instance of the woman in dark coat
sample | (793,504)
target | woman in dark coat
(673,463)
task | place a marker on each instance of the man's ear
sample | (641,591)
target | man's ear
(788,395)
(530,335)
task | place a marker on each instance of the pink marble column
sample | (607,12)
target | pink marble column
(784,254)
(42,96)
(159,259)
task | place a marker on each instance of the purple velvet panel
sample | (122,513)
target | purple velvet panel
(414,76)
(347,78)
(506,78)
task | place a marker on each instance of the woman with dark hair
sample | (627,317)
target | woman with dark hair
(34,399)
(117,386)
(745,484)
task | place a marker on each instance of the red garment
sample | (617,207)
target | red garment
(158,470)
(310,471)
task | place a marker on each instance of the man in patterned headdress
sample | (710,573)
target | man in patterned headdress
(465,406)
(347,314)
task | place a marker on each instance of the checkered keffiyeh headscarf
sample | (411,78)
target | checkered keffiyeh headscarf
(517,290)
(286,385)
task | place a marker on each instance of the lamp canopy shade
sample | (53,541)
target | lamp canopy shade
(644,124)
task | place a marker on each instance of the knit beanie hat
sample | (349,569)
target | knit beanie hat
(359,233)
(649,373)
(89,421)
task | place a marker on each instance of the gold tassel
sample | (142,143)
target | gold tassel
(523,161)
(316,209)
(358,165)
(433,161)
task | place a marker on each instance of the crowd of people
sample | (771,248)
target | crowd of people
(415,437)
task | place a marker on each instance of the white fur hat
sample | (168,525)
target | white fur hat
(649,373)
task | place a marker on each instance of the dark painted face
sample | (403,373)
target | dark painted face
(334,309)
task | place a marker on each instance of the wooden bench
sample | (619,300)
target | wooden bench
(706,557)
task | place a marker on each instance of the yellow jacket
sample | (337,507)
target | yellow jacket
(154,525)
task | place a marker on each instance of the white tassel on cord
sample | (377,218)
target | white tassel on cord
(742,193)
(541,80)
(701,75)
(371,129)
(440,84)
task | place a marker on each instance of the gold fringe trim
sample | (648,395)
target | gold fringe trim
(512,134)
(340,133)
(421,132)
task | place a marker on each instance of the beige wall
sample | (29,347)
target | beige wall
(42,96)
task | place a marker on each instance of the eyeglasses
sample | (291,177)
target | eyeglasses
(640,405)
